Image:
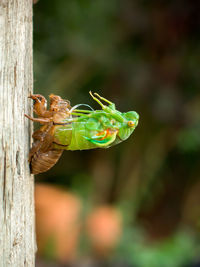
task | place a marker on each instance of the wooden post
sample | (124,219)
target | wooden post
(17,226)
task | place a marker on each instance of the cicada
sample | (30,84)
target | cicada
(70,128)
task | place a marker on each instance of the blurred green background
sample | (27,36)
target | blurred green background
(143,56)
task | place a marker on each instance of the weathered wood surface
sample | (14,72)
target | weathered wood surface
(17,233)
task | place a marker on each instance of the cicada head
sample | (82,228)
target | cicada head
(129,124)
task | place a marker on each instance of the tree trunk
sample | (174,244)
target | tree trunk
(17,227)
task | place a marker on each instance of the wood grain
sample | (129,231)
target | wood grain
(17,229)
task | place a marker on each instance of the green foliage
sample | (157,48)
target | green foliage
(189,139)
(50,249)
(176,251)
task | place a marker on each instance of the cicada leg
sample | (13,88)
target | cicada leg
(40,120)
(111,105)
(104,99)
(40,106)
(97,100)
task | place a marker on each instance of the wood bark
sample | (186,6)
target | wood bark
(17,230)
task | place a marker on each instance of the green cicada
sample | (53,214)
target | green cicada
(69,128)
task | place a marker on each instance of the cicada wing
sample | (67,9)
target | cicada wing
(103,139)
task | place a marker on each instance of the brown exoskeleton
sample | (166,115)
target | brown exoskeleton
(42,155)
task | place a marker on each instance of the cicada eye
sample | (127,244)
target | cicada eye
(131,123)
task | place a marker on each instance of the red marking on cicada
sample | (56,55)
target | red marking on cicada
(105,134)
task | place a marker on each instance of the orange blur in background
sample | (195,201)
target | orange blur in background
(59,225)
(57,221)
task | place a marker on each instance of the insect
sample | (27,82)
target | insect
(70,128)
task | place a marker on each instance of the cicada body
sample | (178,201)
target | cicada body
(69,128)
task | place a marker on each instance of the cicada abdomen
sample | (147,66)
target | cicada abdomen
(43,161)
